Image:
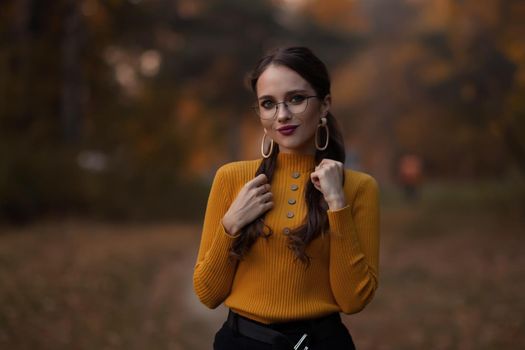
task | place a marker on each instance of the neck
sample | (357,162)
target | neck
(296,161)
(306,148)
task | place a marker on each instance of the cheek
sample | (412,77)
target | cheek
(310,124)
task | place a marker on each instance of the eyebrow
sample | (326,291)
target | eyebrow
(287,94)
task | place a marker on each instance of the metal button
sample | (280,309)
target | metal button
(291,201)
(289,215)
(286,231)
(294,187)
(296,175)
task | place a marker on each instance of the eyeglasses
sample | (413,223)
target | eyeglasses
(296,104)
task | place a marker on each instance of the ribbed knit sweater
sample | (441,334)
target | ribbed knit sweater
(270,284)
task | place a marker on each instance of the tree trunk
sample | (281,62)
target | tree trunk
(72,80)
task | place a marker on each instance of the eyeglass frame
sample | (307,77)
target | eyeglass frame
(257,108)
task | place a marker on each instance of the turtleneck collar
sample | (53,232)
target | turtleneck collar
(295,162)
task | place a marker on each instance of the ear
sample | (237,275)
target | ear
(326,103)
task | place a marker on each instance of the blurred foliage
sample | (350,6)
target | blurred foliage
(123,109)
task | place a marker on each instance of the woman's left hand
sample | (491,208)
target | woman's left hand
(328,179)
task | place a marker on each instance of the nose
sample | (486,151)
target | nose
(283,113)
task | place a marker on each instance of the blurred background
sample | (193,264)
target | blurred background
(114,116)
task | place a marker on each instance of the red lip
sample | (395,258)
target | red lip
(288,129)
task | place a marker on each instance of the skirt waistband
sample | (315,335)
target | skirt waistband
(318,328)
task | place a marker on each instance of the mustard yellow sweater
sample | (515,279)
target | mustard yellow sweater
(270,285)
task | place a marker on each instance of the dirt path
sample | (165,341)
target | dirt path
(448,281)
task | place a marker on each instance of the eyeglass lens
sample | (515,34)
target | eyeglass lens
(294,106)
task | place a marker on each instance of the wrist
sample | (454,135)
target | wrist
(336,202)
(229,226)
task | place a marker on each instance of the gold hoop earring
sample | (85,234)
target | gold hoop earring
(322,125)
(266,155)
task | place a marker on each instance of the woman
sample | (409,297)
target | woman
(290,240)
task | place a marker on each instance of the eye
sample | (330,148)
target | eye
(297,99)
(267,104)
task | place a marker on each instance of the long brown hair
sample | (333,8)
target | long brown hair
(312,69)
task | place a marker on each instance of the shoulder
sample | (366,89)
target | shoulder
(240,166)
(357,182)
(238,171)
(360,178)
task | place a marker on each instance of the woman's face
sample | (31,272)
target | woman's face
(294,133)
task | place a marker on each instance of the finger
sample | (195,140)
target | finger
(267,197)
(267,206)
(319,173)
(257,181)
(324,161)
(329,165)
(315,179)
(262,189)
(336,164)
(322,165)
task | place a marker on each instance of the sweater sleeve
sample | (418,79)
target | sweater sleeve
(214,271)
(354,248)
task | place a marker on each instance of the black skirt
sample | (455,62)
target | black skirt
(326,333)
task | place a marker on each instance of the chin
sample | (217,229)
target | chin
(292,147)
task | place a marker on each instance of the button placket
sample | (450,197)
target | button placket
(293,187)
(295,175)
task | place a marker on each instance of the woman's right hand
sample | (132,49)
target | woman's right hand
(253,199)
